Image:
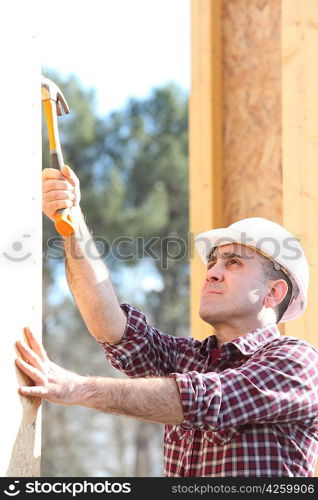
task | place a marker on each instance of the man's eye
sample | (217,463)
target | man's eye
(227,263)
(234,261)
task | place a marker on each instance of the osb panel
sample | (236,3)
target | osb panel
(252,179)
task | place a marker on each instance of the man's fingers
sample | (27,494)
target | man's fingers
(33,373)
(65,173)
(52,173)
(53,206)
(33,390)
(60,184)
(58,195)
(68,172)
(28,355)
(35,345)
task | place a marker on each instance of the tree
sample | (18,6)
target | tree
(132,166)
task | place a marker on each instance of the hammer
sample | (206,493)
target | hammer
(54,105)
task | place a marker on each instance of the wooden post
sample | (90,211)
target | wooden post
(205,139)
(21,234)
(300,143)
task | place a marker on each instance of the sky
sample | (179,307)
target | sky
(122,48)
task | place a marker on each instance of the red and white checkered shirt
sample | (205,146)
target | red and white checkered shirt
(250,408)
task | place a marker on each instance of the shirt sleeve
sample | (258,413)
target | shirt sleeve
(143,350)
(279,385)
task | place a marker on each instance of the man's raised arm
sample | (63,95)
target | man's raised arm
(87,275)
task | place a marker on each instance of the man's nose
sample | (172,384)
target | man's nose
(215,273)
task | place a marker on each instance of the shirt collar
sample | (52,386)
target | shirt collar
(247,344)
(252,341)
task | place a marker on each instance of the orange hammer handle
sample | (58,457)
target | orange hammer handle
(63,220)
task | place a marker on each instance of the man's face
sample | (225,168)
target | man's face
(233,287)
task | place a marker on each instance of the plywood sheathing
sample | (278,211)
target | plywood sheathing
(251,88)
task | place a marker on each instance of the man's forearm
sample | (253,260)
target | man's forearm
(154,399)
(90,283)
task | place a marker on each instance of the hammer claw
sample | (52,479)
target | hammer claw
(61,104)
(49,90)
(59,109)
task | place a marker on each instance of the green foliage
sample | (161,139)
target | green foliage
(132,166)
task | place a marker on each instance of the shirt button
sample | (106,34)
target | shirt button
(190,439)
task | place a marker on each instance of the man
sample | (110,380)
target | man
(242,402)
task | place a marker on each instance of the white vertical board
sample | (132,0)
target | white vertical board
(21,228)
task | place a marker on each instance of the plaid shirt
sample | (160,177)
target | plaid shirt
(250,408)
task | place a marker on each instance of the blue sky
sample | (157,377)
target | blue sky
(121,48)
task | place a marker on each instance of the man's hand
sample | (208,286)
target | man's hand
(86,273)
(60,189)
(51,382)
(154,399)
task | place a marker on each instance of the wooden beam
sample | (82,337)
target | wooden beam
(300,143)
(205,139)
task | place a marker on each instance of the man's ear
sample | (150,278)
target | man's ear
(277,291)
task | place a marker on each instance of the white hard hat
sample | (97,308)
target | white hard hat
(273,241)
